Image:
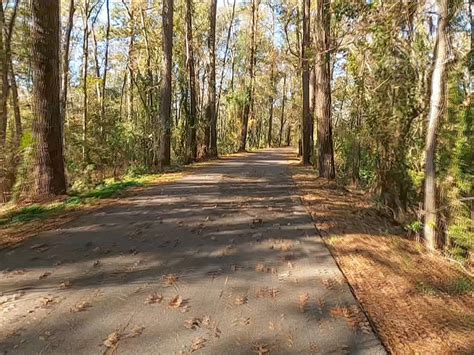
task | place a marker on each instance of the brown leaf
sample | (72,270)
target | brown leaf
(260,267)
(45,275)
(80,307)
(314,348)
(96,263)
(303,301)
(193,323)
(170,279)
(154,298)
(256,221)
(261,349)
(198,343)
(330,284)
(286,246)
(240,300)
(267,292)
(112,340)
(48,301)
(65,284)
(176,302)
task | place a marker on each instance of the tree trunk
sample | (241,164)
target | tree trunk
(282,117)
(166,82)
(106,63)
(312,100)
(192,119)
(270,104)
(249,99)
(305,53)
(323,91)
(85,63)
(212,119)
(49,162)
(16,106)
(438,84)
(288,136)
(3,109)
(65,63)
(3,83)
(229,32)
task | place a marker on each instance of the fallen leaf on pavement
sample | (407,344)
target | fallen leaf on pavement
(261,349)
(303,301)
(45,275)
(80,307)
(193,323)
(154,298)
(240,300)
(170,279)
(112,340)
(198,343)
(65,284)
(176,302)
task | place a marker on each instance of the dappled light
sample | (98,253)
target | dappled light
(229,247)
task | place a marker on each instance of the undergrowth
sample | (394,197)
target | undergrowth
(109,188)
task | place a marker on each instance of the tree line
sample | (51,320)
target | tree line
(373,93)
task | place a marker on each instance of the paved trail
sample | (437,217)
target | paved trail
(232,240)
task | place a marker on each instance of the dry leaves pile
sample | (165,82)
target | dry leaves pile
(386,271)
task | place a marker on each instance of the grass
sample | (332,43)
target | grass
(108,189)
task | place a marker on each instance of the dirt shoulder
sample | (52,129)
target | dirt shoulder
(418,303)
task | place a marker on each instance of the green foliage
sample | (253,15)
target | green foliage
(462,286)
(108,190)
(416,226)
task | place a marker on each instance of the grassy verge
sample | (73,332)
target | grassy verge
(419,303)
(20,222)
(14,215)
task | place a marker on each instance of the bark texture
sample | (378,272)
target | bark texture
(249,101)
(323,91)
(49,178)
(212,119)
(165,107)
(307,114)
(192,118)
(438,84)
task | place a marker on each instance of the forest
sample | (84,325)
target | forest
(375,94)
(373,97)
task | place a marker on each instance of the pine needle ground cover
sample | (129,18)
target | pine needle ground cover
(417,302)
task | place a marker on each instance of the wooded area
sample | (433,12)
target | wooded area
(376,94)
